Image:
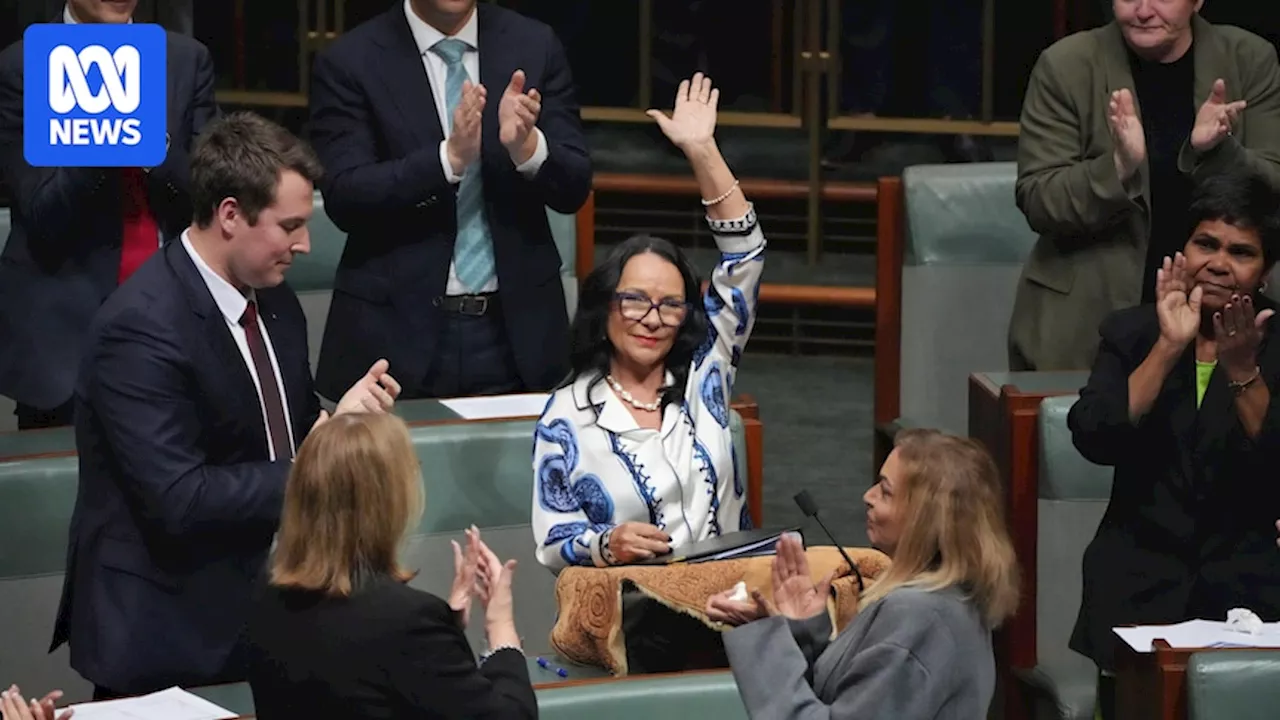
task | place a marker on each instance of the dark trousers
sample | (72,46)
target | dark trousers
(659,639)
(32,418)
(473,356)
(1106,697)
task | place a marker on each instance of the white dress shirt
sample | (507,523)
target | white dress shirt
(426,37)
(594,467)
(232,303)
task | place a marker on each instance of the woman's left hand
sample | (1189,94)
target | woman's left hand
(693,121)
(723,609)
(464,575)
(1238,331)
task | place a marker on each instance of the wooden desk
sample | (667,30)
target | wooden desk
(1003,409)
(1153,686)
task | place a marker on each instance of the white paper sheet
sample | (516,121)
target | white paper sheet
(172,704)
(498,406)
(1198,634)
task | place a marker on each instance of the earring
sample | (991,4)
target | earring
(1262,286)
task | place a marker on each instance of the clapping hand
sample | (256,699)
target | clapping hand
(465,580)
(517,117)
(794,592)
(693,121)
(1238,331)
(1177,302)
(375,392)
(463,147)
(1215,118)
(1126,134)
(13,707)
(724,609)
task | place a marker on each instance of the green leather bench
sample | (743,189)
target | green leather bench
(964,247)
(1234,685)
(687,695)
(474,473)
(1072,496)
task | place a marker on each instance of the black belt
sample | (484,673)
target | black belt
(474,305)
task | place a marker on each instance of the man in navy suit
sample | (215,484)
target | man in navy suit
(193,394)
(77,233)
(446,130)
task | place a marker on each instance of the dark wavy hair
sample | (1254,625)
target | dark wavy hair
(1243,198)
(590,350)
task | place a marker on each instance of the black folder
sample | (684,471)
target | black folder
(742,544)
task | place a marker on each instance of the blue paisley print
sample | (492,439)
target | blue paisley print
(556,491)
(713,486)
(741,309)
(712,393)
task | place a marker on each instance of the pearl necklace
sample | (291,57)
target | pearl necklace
(627,397)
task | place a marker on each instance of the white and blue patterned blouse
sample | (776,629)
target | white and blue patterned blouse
(591,473)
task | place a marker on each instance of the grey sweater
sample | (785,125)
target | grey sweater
(913,655)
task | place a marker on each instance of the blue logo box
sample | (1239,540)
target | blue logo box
(94,95)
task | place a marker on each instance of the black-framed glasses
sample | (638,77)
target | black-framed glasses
(634,306)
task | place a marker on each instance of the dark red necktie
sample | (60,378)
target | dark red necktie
(271,402)
(141,235)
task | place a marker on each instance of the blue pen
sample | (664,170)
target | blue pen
(542,663)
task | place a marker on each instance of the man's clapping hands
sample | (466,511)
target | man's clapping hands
(375,392)
(518,112)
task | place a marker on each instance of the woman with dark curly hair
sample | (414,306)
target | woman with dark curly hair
(633,454)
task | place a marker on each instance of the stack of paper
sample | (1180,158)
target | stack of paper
(172,704)
(1198,634)
(499,406)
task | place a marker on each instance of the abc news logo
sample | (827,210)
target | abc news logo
(94,95)
(69,89)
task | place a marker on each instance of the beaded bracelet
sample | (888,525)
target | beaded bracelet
(493,651)
(722,198)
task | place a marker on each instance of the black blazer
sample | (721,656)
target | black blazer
(63,254)
(1190,528)
(386,652)
(375,126)
(178,502)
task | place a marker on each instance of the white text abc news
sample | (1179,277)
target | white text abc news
(69,90)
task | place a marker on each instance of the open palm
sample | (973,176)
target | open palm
(795,595)
(1177,301)
(693,121)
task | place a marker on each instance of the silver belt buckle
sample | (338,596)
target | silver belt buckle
(474,305)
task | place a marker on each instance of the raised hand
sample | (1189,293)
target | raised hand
(794,592)
(1126,134)
(1215,118)
(1177,302)
(493,585)
(465,566)
(634,541)
(518,112)
(14,707)
(1238,331)
(693,121)
(375,392)
(463,147)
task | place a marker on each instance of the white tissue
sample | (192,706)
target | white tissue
(739,592)
(1244,621)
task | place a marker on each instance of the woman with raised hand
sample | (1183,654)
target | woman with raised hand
(633,455)
(920,647)
(338,632)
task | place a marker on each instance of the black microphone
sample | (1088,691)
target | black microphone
(810,509)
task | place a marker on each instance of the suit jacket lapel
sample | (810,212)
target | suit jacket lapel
(223,351)
(497,63)
(405,77)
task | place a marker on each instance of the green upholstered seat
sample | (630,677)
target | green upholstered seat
(1073,495)
(1233,685)
(964,247)
(711,695)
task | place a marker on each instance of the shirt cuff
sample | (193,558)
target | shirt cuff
(530,167)
(446,166)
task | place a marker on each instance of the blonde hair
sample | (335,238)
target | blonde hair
(353,493)
(954,531)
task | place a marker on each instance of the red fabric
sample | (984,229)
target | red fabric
(140,234)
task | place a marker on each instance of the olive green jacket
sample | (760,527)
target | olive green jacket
(1091,253)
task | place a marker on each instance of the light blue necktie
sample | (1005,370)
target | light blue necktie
(473,250)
